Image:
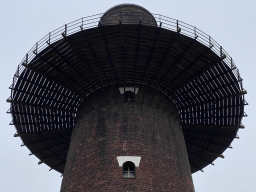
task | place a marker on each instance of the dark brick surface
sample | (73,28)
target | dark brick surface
(128,14)
(127,129)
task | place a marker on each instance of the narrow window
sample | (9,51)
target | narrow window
(129,96)
(128,170)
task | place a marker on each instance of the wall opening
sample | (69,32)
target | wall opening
(128,170)
(129,96)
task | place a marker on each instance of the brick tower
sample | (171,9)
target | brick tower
(127,101)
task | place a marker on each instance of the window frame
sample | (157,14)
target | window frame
(130,173)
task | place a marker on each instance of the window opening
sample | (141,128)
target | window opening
(129,96)
(128,170)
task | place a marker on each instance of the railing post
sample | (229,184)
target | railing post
(49,41)
(232,64)
(82,26)
(66,29)
(27,58)
(36,48)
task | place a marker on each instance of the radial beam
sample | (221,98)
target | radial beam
(210,64)
(204,82)
(109,55)
(151,52)
(214,126)
(51,79)
(209,152)
(38,106)
(136,59)
(82,61)
(123,58)
(214,100)
(55,166)
(161,61)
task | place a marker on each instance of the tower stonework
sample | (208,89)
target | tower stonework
(127,101)
(127,128)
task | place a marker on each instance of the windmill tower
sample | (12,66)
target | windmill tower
(127,101)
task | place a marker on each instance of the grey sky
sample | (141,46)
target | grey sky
(231,23)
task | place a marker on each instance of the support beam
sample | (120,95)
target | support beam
(211,91)
(161,62)
(63,146)
(215,100)
(50,88)
(66,78)
(190,65)
(82,61)
(136,60)
(123,58)
(109,56)
(183,71)
(26,93)
(210,143)
(201,83)
(38,106)
(96,60)
(210,153)
(189,112)
(111,66)
(198,156)
(41,132)
(210,64)
(197,168)
(39,141)
(54,167)
(49,78)
(72,67)
(151,52)
(215,126)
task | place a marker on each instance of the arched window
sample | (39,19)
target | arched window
(128,170)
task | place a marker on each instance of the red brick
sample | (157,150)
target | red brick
(127,129)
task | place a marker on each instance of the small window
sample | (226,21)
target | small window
(128,170)
(129,96)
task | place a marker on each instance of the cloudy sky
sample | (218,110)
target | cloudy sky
(232,23)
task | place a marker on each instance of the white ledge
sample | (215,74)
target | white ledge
(121,89)
(122,159)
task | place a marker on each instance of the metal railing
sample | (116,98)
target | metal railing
(93,21)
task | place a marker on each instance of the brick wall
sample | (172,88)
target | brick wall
(128,14)
(127,129)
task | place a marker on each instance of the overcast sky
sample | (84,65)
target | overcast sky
(231,23)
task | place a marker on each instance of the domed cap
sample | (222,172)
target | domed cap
(127,14)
